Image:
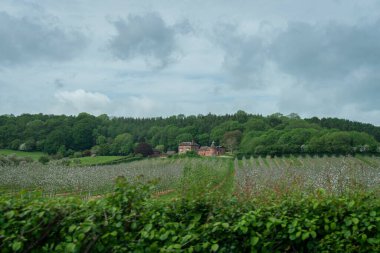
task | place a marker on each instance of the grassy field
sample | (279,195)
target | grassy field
(258,177)
(189,176)
(33,155)
(88,161)
(84,161)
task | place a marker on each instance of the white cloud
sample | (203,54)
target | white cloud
(81,101)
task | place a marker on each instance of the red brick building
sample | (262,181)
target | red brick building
(211,151)
(184,147)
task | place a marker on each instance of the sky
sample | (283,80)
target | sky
(160,58)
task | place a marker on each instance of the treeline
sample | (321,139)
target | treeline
(241,133)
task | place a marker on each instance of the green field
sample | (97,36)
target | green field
(33,155)
(189,176)
(83,161)
(184,176)
(88,161)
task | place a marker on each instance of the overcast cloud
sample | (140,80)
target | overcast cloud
(24,40)
(159,58)
(145,36)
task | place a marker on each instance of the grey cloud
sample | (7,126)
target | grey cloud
(183,27)
(59,83)
(326,52)
(363,91)
(336,61)
(330,66)
(244,57)
(24,40)
(146,36)
(312,67)
(315,54)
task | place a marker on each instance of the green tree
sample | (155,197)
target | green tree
(122,144)
(144,149)
(101,140)
(15,144)
(218,132)
(54,141)
(203,139)
(241,116)
(231,140)
(256,124)
(82,131)
(184,137)
(160,148)
(62,151)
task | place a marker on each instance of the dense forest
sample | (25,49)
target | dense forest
(241,133)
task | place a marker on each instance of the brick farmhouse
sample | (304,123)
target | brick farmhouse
(202,151)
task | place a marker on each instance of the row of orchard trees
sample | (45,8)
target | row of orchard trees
(240,133)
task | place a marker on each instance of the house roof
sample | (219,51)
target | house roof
(209,148)
(188,143)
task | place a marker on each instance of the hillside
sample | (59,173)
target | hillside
(241,133)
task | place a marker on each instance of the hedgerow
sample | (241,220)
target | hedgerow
(129,220)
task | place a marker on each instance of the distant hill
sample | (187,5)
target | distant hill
(241,133)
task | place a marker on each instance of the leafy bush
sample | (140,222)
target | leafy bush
(144,149)
(77,154)
(13,160)
(192,154)
(44,159)
(128,221)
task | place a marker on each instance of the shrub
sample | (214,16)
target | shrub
(144,149)
(77,154)
(86,152)
(14,160)
(44,159)
(191,153)
(127,221)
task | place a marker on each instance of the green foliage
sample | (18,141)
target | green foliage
(206,213)
(206,177)
(191,153)
(99,160)
(232,139)
(130,221)
(13,160)
(144,149)
(256,124)
(54,140)
(218,132)
(160,148)
(82,132)
(275,134)
(122,144)
(44,159)
(184,137)
(33,155)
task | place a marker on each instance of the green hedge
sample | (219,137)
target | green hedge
(129,221)
(127,159)
(122,160)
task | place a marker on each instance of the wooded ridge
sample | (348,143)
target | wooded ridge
(241,133)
